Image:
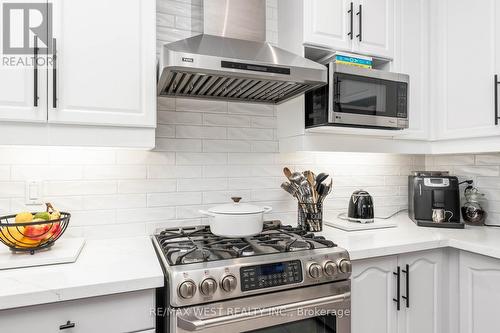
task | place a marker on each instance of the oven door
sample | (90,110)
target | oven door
(368,97)
(319,309)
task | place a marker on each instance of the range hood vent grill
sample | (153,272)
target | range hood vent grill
(186,84)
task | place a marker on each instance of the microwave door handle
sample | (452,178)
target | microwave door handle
(191,323)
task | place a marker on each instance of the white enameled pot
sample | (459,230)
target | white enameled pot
(236,220)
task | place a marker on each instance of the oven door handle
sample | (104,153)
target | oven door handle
(191,323)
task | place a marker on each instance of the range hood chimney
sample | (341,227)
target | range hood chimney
(232,61)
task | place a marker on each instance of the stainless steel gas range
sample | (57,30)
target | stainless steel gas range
(282,280)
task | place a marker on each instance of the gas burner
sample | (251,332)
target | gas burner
(197,244)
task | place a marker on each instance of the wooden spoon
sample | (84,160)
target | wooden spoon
(287,172)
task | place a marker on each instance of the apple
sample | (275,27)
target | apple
(36,232)
(54,231)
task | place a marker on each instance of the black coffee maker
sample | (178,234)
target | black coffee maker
(434,199)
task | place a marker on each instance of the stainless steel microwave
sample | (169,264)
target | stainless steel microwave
(359,97)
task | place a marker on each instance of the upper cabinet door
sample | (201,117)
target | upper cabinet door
(22,84)
(374,28)
(105,65)
(468,56)
(327,23)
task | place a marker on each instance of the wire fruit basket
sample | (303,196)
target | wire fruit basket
(32,236)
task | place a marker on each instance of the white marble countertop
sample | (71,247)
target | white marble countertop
(407,237)
(104,267)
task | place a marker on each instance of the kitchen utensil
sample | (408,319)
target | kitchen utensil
(439,215)
(289,188)
(287,172)
(360,207)
(32,236)
(236,220)
(321,178)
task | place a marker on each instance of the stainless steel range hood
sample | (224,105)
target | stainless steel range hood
(222,65)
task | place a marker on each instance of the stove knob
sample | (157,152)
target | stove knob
(330,268)
(315,270)
(228,283)
(208,287)
(187,289)
(345,266)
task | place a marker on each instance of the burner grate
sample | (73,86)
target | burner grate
(197,244)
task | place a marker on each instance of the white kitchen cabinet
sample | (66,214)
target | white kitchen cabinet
(374,31)
(479,293)
(20,83)
(423,308)
(467,51)
(105,69)
(374,290)
(120,313)
(373,287)
(412,57)
(327,23)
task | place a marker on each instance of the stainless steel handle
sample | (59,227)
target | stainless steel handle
(360,13)
(35,71)
(196,324)
(54,73)
(351,11)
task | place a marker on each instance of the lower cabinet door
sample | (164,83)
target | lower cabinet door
(422,292)
(120,313)
(373,288)
(479,293)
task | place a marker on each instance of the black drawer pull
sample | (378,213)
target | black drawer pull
(407,297)
(398,287)
(68,324)
(360,13)
(496,98)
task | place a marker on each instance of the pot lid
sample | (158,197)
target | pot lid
(236,207)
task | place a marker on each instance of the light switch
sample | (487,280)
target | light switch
(34,192)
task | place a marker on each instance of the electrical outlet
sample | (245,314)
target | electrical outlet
(34,191)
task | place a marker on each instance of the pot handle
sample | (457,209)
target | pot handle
(206,213)
(267,209)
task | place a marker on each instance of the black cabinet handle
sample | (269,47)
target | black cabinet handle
(398,288)
(351,11)
(35,71)
(68,324)
(407,297)
(496,98)
(360,13)
(54,73)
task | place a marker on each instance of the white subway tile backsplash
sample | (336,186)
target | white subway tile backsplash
(221,146)
(46,172)
(11,189)
(198,105)
(173,171)
(145,214)
(165,131)
(201,184)
(114,172)
(67,188)
(200,132)
(190,145)
(251,109)
(147,186)
(211,119)
(117,201)
(201,158)
(173,117)
(144,157)
(174,199)
(250,133)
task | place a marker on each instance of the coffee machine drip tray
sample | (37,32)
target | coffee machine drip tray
(453,225)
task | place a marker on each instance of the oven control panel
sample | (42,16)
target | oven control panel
(270,275)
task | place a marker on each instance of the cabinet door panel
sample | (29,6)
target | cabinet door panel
(468,109)
(479,293)
(424,311)
(17,79)
(105,63)
(327,23)
(377,28)
(373,287)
